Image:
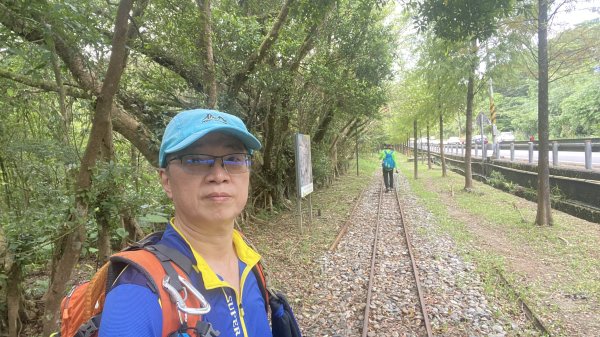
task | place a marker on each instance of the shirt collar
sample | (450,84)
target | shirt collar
(244,253)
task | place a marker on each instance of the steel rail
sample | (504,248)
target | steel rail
(365,328)
(523,305)
(415,270)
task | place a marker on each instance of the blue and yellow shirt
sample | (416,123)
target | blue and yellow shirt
(132,309)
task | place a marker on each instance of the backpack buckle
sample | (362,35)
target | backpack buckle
(88,328)
(205,329)
(180,301)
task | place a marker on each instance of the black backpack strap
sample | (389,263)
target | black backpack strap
(172,254)
(166,255)
(150,239)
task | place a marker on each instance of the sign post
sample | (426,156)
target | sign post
(304,181)
(481,120)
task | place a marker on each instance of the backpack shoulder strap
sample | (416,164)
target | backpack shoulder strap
(150,239)
(262,283)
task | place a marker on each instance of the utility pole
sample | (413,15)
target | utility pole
(493,118)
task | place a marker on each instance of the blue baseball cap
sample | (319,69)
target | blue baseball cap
(189,126)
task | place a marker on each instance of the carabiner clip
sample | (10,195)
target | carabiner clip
(180,301)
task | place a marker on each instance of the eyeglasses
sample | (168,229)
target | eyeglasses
(233,163)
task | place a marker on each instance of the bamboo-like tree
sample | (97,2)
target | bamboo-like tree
(442,70)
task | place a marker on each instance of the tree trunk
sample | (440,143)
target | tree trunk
(63,129)
(428,150)
(134,231)
(13,298)
(104,214)
(270,117)
(269,168)
(69,255)
(338,138)
(323,126)
(420,138)
(103,223)
(469,126)
(416,172)
(5,183)
(101,125)
(253,60)
(442,158)
(127,219)
(137,133)
(206,49)
(333,155)
(469,131)
(544,211)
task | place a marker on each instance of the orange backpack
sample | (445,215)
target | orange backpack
(168,273)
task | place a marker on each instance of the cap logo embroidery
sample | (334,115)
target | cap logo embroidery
(210,118)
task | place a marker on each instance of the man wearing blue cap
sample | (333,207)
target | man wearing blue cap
(204,160)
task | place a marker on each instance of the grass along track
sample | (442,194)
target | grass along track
(556,269)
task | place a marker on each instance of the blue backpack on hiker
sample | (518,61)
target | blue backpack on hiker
(388,162)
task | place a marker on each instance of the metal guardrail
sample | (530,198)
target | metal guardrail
(579,189)
(587,146)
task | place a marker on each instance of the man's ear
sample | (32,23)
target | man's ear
(165,181)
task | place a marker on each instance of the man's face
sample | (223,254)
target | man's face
(214,197)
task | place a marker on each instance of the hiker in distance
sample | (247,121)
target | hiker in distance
(388,165)
(205,160)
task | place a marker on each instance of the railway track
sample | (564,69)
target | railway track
(367,288)
(397,265)
(387,282)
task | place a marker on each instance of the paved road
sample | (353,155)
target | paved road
(564,157)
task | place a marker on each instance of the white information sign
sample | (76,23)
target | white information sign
(303,165)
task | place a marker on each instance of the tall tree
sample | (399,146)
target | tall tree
(415,157)
(101,128)
(442,68)
(206,49)
(544,208)
(471,21)
(570,55)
